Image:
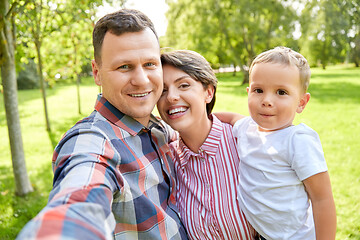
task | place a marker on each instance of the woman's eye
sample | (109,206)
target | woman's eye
(281,92)
(184,85)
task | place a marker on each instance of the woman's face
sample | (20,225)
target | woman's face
(182,104)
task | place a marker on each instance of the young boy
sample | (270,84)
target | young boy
(284,188)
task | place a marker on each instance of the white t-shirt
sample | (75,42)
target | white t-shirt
(272,168)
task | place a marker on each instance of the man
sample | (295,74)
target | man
(113,174)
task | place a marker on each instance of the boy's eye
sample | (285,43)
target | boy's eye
(258,90)
(281,92)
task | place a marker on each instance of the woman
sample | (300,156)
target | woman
(206,160)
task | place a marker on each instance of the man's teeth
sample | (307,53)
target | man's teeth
(177,110)
(139,95)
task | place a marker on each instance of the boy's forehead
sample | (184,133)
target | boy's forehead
(274,73)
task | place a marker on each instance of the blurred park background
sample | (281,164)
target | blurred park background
(45,60)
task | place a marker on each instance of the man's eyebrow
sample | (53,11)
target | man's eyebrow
(151,59)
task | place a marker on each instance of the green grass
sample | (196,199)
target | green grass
(333,111)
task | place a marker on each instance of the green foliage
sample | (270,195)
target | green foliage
(63,30)
(333,111)
(234,31)
(230,32)
(325,37)
(231,29)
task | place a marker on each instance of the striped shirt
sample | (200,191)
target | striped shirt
(207,187)
(113,179)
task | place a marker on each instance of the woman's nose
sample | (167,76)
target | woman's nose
(172,95)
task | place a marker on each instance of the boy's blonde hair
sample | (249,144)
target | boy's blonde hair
(287,57)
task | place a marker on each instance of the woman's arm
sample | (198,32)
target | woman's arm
(319,189)
(229,117)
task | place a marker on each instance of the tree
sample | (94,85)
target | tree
(324,31)
(234,31)
(39,21)
(353,13)
(75,48)
(8,76)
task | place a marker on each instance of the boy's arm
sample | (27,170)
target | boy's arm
(229,117)
(319,189)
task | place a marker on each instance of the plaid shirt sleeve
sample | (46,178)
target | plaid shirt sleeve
(84,182)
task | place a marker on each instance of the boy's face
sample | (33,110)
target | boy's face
(275,95)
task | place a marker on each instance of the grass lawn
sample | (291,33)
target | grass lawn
(333,111)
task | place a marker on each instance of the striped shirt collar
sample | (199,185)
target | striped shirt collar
(113,115)
(210,146)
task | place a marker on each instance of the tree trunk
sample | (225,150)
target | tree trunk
(246,77)
(42,83)
(78,80)
(8,76)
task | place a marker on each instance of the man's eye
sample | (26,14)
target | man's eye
(281,92)
(124,67)
(149,64)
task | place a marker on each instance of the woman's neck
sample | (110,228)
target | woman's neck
(196,135)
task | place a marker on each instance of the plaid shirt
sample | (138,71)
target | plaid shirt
(113,178)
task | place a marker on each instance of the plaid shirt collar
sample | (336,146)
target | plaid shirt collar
(113,115)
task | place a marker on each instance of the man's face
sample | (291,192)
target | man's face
(130,73)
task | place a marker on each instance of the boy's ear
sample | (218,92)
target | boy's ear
(303,101)
(247,89)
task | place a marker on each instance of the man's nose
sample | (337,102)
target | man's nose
(140,76)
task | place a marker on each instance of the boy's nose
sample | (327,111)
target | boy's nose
(267,102)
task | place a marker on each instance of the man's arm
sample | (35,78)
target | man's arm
(79,205)
(319,189)
(229,117)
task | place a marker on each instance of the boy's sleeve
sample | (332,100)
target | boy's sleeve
(308,156)
(238,127)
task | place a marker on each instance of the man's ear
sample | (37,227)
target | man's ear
(209,93)
(95,71)
(303,101)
